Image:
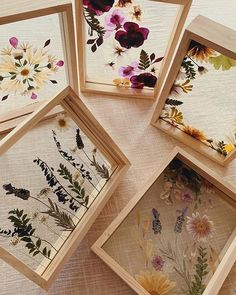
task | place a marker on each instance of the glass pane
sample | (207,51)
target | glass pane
(126,41)
(202,100)
(31,62)
(175,234)
(49,180)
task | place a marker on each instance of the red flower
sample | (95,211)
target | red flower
(146,79)
(98,6)
(133,36)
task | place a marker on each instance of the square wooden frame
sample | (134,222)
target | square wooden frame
(74,106)
(27,9)
(128,92)
(229,255)
(215,36)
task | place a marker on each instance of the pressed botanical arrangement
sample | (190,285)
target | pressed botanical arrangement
(209,122)
(171,242)
(129,36)
(45,194)
(25,69)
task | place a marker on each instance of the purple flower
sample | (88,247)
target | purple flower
(34,96)
(145,79)
(98,6)
(130,70)
(132,36)
(158,262)
(60,63)
(14,42)
(115,20)
(187,196)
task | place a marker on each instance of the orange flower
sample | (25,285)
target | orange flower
(200,52)
(195,133)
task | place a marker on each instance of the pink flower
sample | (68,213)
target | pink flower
(115,20)
(187,196)
(130,70)
(158,263)
(14,42)
(34,96)
(60,63)
(200,227)
(132,36)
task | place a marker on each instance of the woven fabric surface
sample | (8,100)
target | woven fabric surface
(128,122)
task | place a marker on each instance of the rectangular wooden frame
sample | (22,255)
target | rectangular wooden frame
(71,103)
(122,92)
(27,9)
(229,251)
(206,32)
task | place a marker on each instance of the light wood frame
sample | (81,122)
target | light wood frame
(206,32)
(27,9)
(75,108)
(121,91)
(228,254)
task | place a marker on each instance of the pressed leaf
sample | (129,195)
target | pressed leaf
(47,43)
(222,62)
(5,97)
(144,60)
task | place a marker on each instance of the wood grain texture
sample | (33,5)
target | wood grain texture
(127,121)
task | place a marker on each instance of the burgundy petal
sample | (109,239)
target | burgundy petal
(130,26)
(144,32)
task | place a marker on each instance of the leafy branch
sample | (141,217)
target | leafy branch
(197,286)
(145,60)
(102,170)
(74,185)
(189,69)
(61,218)
(25,231)
(94,26)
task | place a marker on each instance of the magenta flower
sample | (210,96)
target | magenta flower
(130,70)
(60,63)
(187,196)
(115,20)
(145,79)
(34,96)
(14,42)
(98,6)
(158,263)
(132,36)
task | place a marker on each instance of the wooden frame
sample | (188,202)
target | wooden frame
(26,10)
(91,87)
(69,102)
(206,32)
(228,253)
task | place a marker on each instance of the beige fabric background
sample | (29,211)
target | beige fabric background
(127,121)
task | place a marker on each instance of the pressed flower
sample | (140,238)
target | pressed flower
(195,133)
(98,7)
(142,80)
(6,51)
(200,52)
(156,283)
(130,70)
(229,147)
(187,196)
(200,227)
(202,70)
(18,192)
(44,192)
(124,3)
(15,241)
(158,263)
(62,122)
(115,20)
(24,70)
(122,82)
(119,51)
(136,13)
(132,36)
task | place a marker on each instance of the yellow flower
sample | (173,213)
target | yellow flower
(122,82)
(195,133)
(229,147)
(186,87)
(62,122)
(156,283)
